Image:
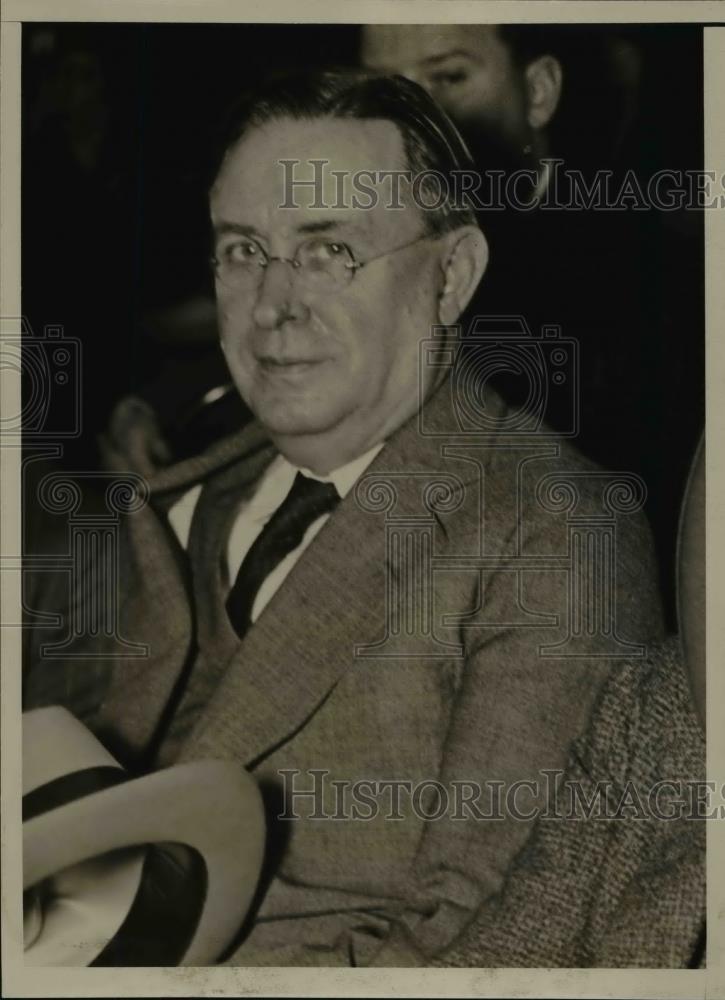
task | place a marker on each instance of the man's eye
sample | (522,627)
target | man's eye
(337,250)
(242,252)
(328,249)
(318,253)
(448,78)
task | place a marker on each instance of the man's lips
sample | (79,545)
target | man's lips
(288,366)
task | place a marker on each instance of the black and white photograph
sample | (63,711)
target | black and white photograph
(354,499)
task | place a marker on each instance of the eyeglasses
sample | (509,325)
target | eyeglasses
(322,266)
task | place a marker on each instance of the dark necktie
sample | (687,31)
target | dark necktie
(306,501)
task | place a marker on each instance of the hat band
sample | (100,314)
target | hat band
(165,912)
(164,915)
(69,787)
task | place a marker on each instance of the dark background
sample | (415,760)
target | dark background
(118,122)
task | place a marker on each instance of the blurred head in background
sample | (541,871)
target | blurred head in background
(491,80)
(518,92)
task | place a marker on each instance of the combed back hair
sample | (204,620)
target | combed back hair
(430,139)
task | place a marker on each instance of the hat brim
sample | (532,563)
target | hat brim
(213,807)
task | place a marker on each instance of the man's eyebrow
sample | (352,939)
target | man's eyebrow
(223,228)
(330,225)
(450,53)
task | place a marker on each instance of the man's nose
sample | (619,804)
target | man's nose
(277,298)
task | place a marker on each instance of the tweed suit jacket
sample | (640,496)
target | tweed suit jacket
(424,636)
(596,889)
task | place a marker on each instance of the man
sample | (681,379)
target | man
(506,88)
(497,94)
(554,102)
(521,94)
(416,636)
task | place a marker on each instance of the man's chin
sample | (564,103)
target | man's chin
(297,419)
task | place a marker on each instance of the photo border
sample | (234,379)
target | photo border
(20,981)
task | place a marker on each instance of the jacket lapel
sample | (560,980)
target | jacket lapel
(332,601)
(297,650)
(155,585)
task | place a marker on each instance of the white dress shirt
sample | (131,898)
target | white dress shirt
(252,516)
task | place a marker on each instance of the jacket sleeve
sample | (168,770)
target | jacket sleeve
(515,716)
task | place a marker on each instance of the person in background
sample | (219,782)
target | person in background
(624,284)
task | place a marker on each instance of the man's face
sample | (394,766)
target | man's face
(341,365)
(466,68)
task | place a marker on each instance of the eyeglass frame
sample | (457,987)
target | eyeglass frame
(354,266)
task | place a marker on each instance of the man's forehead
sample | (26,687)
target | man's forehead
(345,143)
(279,164)
(394,47)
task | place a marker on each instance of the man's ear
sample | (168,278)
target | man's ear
(544,78)
(464,261)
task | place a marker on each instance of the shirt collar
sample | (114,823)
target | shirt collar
(279,476)
(344,478)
